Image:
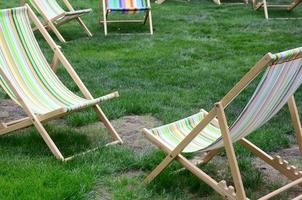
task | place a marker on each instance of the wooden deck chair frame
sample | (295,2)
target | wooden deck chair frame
(263,4)
(218,2)
(162,1)
(103,11)
(38,120)
(245,2)
(218,118)
(51,23)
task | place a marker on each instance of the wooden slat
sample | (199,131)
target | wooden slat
(188,165)
(285,170)
(247,79)
(296,121)
(277,6)
(123,21)
(228,144)
(26,122)
(282,189)
(298,197)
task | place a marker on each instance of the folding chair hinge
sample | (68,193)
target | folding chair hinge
(57,48)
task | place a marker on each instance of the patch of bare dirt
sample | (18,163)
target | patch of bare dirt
(130,129)
(100,193)
(10,111)
(272,176)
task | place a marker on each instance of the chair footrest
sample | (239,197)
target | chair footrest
(78,12)
(93,102)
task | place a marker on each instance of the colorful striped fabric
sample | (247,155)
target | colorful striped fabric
(172,134)
(278,84)
(127,6)
(287,56)
(50,8)
(23,63)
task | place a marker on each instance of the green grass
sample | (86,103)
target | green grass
(199,51)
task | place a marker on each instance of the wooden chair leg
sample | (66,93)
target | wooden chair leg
(54,63)
(56,31)
(221,187)
(51,145)
(277,163)
(105,18)
(107,124)
(230,152)
(82,24)
(210,155)
(150,22)
(202,161)
(294,4)
(146,17)
(265,9)
(254,3)
(296,121)
(158,169)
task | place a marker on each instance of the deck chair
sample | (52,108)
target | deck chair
(209,131)
(263,4)
(125,7)
(31,82)
(55,16)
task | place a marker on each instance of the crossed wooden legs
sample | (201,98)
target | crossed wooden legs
(38,121)
(263,4)
(51,25)
(229,192)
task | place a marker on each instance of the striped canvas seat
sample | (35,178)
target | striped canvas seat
(52,9)
(30,81)
(172,134)
(280,81)
(127,6)
(54,15)
(72,15)
(25,66)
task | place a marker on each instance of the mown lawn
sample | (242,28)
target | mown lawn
(199,51)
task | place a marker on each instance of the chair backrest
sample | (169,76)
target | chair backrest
(279,82)
(127,6)
(24,65)
(50,8)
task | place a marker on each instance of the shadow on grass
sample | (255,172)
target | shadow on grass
(28,142)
